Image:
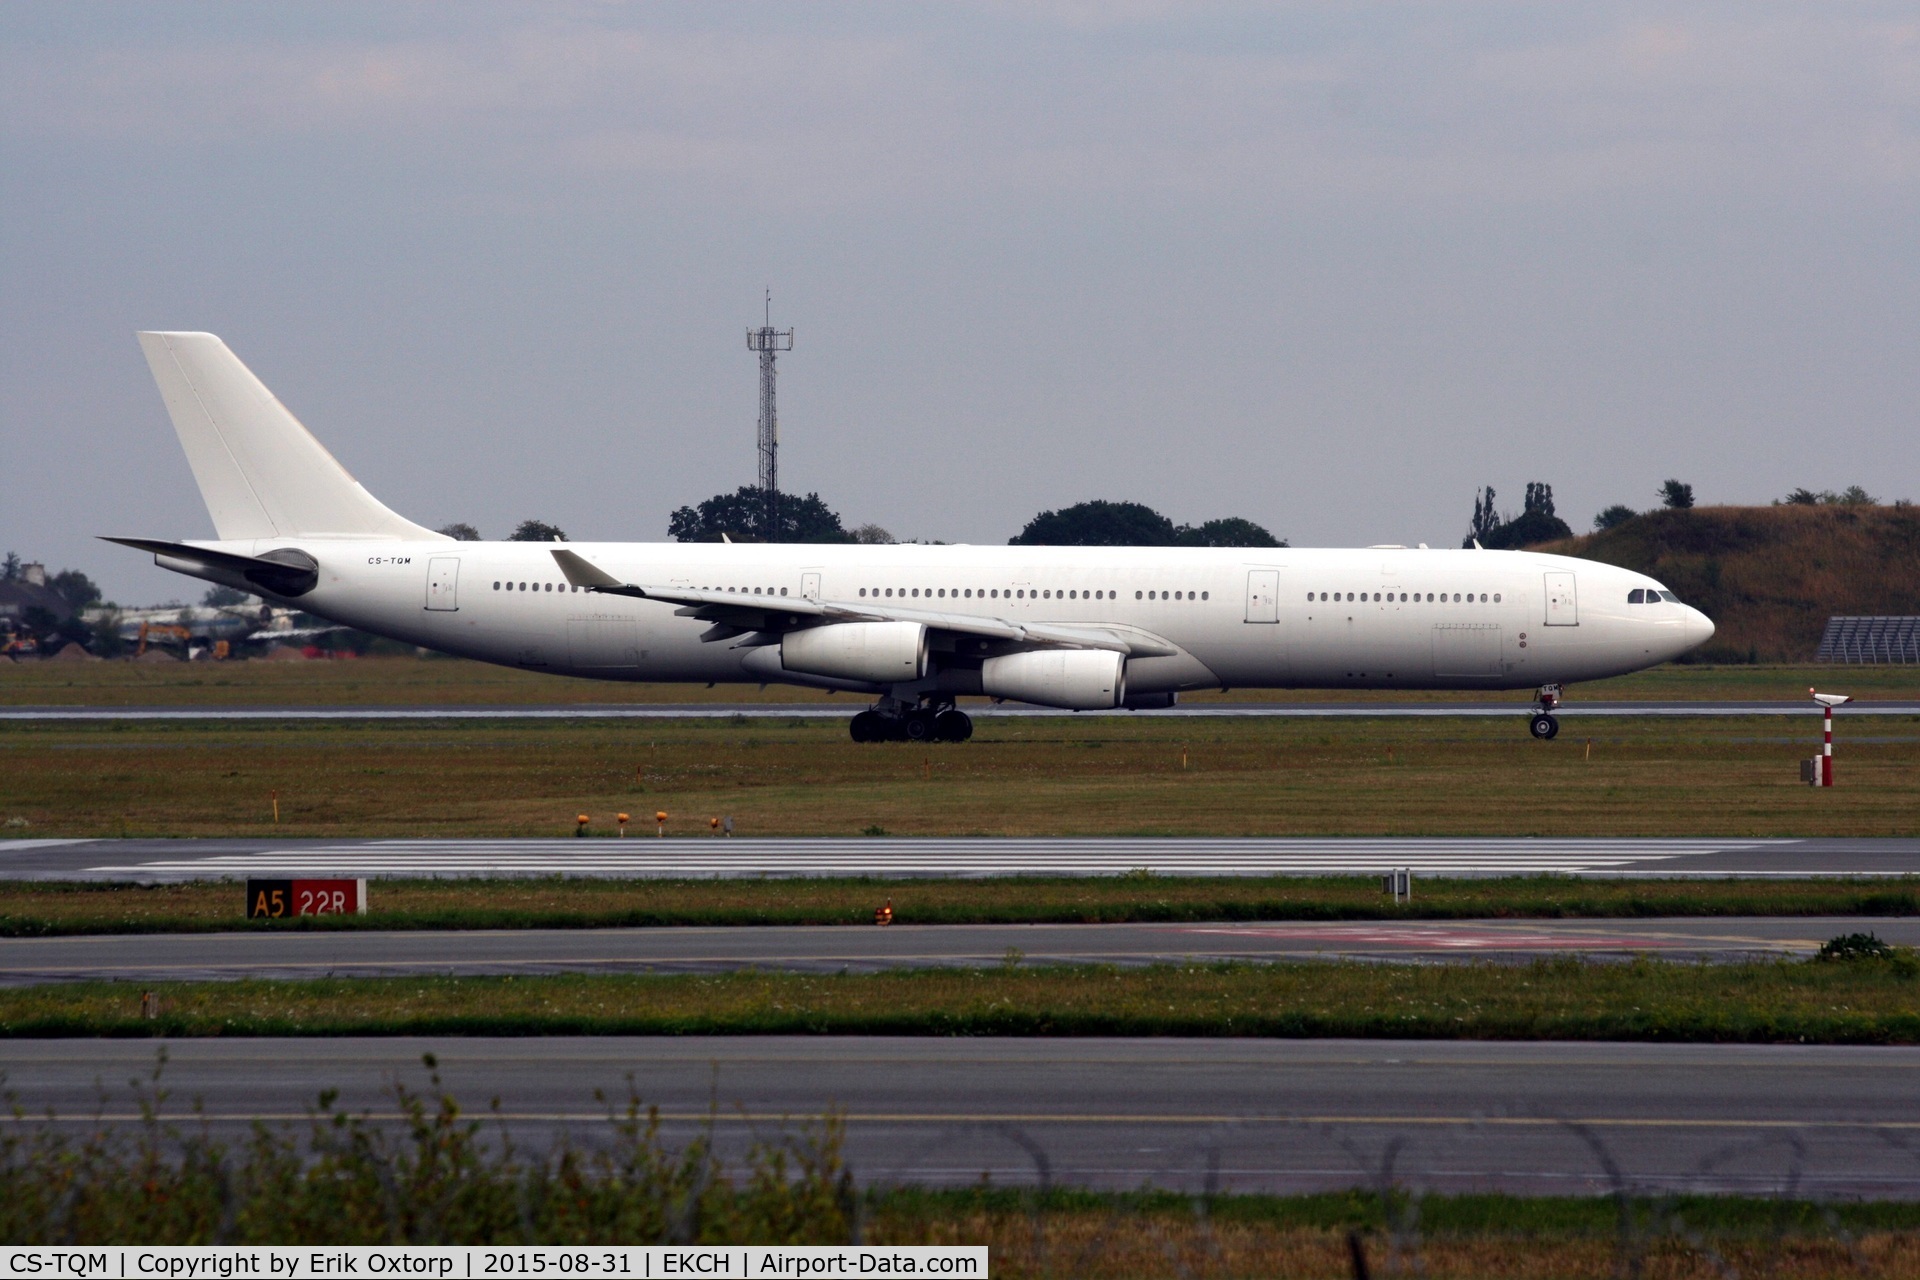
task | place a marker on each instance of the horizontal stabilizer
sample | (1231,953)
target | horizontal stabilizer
(284,572)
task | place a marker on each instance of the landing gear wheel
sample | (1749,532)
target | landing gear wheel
(1544,727)
(920,727)
(952,726)
(868,727)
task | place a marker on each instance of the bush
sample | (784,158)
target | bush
(432,1179)
(1854,946)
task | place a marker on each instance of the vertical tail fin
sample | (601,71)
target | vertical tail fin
(261,474)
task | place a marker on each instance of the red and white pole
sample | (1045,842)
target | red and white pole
(1827,701)
(1826,753)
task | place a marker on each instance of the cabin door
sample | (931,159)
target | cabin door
(810,586)
(1563,606)
(443,577)
(1263,595)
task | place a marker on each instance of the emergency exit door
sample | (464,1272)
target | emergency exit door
(443,581)
(1263,595)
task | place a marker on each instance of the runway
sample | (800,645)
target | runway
(156,958)
(1262,1115)
(843,710)
(704,857)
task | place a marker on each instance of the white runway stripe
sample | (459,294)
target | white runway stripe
(647,856)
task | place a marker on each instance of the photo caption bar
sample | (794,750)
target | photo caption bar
(479,1262)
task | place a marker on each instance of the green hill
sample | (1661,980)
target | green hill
(1769,577)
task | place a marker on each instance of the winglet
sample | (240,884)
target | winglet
(582,572)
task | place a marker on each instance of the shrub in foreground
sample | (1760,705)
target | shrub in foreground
(434,1177)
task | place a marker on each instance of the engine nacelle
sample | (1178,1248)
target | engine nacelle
(875,652)
(1077,679)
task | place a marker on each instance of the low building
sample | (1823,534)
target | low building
(1886,638)
(30,591)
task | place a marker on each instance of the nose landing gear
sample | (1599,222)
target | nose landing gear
(1545,725)
(934,722)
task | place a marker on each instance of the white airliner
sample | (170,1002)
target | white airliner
(1083,628)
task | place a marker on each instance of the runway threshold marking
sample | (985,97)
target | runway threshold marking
(1021,1117)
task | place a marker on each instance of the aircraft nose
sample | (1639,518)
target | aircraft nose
(1698,627)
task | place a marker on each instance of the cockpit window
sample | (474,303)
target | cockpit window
(1636,596)
(1669,597)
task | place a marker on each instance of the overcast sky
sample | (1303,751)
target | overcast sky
(1327,266)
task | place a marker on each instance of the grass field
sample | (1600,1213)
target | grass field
(1854,1002)
(40,909)
(1471,1237)
(388,681)
(441,1178)
(1051,776)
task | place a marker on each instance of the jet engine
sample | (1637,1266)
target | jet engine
(874,652)
(1077,679)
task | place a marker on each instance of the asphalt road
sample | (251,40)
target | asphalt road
(204,956)
(841,710)
(1260,1114)
(704,857)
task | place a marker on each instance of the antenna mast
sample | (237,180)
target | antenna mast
(768,341)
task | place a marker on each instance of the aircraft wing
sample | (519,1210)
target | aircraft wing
(733,614)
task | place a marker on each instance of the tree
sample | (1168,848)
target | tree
(10,567)
(1536,523)
(1228,531)
(461,531)
(872,535)
(1851,496)
(1676,495)
(742,516)
(75,587)
(1614,516)
(1098,523)
(537,531)
(224,597)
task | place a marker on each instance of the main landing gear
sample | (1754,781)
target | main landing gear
(934,722)
(1545,725)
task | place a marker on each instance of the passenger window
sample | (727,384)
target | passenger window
(1496,597)
(1376,597)
(1136,595)
(1203,595)
(496,584)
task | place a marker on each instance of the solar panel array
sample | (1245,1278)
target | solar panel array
(1871,639)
